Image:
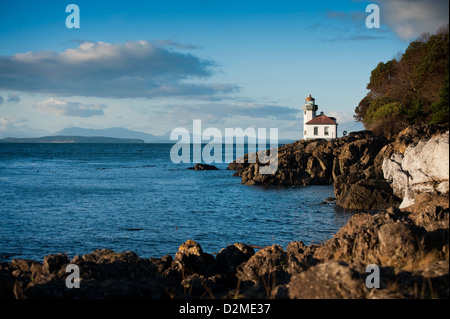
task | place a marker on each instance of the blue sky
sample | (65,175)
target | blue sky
(153,66)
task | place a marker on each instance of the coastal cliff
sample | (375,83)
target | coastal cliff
(353,164)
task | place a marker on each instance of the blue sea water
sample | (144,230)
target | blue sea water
(75,198)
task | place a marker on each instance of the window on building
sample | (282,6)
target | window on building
(304,132)
(305,112)
(316,130)
(325,131)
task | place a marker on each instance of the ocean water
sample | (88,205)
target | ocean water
(75,198)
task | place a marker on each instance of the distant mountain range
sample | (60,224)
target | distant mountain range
(72,139)
(106,135)
(117,132)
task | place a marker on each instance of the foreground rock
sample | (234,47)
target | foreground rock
(410,247)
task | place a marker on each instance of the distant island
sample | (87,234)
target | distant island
(73,139)
(106,135)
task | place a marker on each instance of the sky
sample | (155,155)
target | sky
(154,66)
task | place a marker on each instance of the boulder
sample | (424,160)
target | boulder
(54,263)
(365,194)
(190,259)
(330,280)
(387,238)
(232,256)
(268,264)
(423,168)
(414,134)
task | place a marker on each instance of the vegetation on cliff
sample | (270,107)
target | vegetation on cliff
(410,89)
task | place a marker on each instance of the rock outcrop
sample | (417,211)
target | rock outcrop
(353,164)
(349,163)
(422,168)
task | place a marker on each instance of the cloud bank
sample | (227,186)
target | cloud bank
(217,113)
(14,98)
(410,18)
(407,19)
(61,107)
(129,70)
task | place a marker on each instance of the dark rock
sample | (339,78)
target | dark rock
(330,280)
(232,256)
(162,264)
(388,238)
(190,259)
(353,164)
(430,212)
(199,286)
(203,167)
(343,162)
(297,249)
(54,263)
(268,265)
(365,194)
(415,133)
(7,281)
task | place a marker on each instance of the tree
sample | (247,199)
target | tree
(410,89)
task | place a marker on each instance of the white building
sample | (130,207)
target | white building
(315,126)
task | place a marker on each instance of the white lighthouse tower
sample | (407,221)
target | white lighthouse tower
(309,109)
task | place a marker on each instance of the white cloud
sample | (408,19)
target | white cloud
(7,122)
(346,122)
(67,108)
(341,117)
(410,18)
(127,70)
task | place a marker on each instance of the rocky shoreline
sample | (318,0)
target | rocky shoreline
(410,246)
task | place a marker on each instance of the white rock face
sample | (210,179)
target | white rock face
(424,167)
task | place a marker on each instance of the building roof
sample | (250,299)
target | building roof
(321,119)
(310,98)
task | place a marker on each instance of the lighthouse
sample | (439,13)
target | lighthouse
(315,126)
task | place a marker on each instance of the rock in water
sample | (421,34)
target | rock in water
(203,167)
